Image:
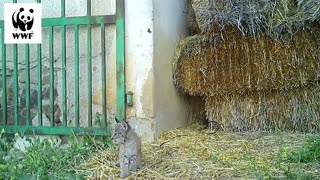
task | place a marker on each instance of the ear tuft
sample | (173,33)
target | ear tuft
(125,125)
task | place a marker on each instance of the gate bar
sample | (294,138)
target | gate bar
(103,74)
(4,79)
(15,84)
(120,28)
(61,130)
(80,20)
(27,64)
(89,65)
(76,71)
(64,66)
(51,51)
(39,74)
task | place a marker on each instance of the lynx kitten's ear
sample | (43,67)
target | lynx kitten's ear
(116,119)
(124,125)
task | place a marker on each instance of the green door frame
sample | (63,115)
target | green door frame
(121,90)
(119,20)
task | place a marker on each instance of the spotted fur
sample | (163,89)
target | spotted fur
(130,148)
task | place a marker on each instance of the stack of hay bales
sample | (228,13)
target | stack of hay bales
(256,63)
(252,17)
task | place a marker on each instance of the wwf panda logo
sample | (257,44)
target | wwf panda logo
(23,19)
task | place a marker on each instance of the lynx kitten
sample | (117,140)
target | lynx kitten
(130,148)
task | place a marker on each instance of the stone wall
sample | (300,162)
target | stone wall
(153,29)
(52,9)
(33,92)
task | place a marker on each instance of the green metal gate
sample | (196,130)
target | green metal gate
(63,22)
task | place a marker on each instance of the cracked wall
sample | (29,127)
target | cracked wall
(152,31)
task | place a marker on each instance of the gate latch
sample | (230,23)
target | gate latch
(129,98)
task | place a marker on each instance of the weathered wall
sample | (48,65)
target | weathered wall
(170,24)
(139,66)
(152,32)
(73,8)
(153,29)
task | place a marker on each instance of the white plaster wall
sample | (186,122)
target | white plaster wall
(153,29)
(170,24)
(139,51)
(139,65)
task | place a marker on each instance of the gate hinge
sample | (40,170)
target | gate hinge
(129,98)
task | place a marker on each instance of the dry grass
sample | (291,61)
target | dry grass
(310,9)
(273,18)
(194,153)
(297,110)
(231,63)
(185,71)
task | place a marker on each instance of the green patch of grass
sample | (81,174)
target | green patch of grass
(276,156)
(98,119)
(287,162)
(299,160)
(294,162)
(45,161)
(310,152)
(296,172)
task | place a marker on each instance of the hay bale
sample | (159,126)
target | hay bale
(251,17)
(274,18)
(284,20)
(192,22)
(309,9)
(297,110)
(216,15)
(205,66)
(186,76)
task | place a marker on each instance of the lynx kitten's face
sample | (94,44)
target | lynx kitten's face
(119,133)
